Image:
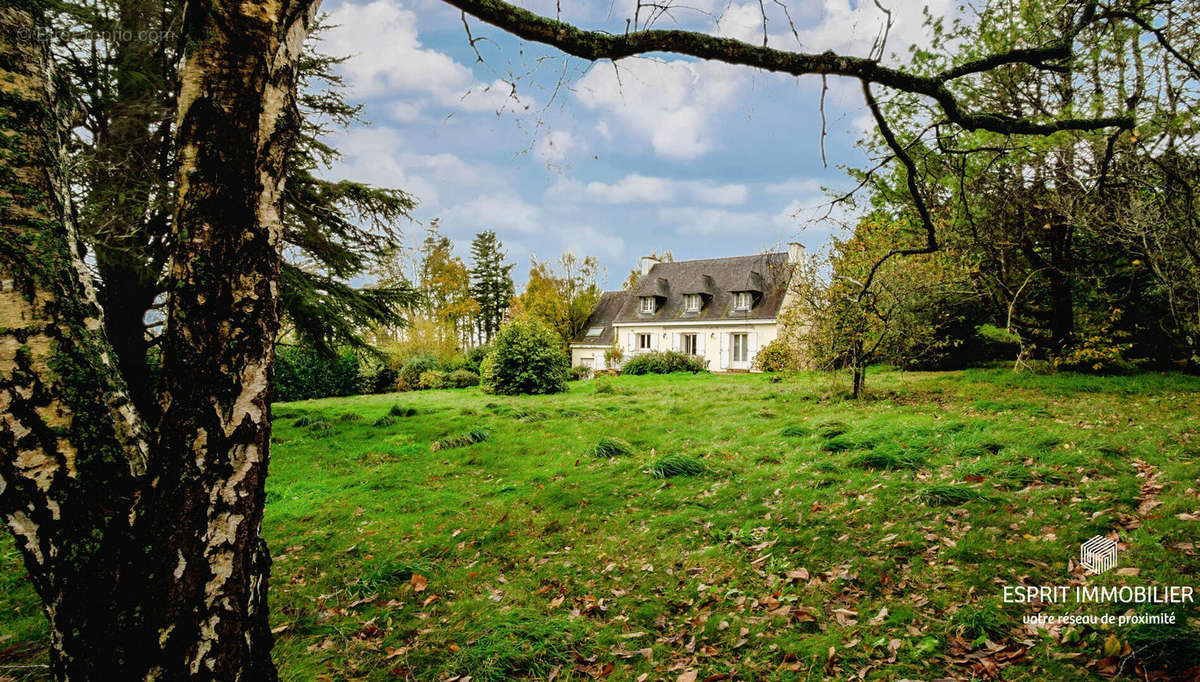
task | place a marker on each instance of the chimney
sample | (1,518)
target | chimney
(647,262)
(795,252)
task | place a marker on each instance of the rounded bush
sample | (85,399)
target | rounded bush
(410,374)
(461,378)
(526,358)
(433,378)
(777,356)
(579,372)
(663,362)
(474,357)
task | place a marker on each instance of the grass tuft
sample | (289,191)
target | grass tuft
(515,645)
(401,411)
(832,429)
(461,440)
(381,575)
(887,458)
(794,431)
(611,447)
(949,495)
(385,420)
(672,465)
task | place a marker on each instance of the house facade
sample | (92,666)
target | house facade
(723,310)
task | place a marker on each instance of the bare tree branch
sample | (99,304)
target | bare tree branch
(596,45)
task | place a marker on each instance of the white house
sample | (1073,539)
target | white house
(721,309)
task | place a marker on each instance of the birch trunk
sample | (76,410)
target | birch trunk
(146,549)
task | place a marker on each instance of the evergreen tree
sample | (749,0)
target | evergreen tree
(124,151)
(491,282)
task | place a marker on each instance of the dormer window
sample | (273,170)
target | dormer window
(691,303)
(742,300)
(647,305)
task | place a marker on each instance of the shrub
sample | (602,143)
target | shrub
(611,447)
(430,379)
(668,466)
(376,375)
(461,440)
(461,378)
(613,355)
(474,357)
(526,358)
(579,372)
(302,373)
(777,356)
(409,378)
(663,362)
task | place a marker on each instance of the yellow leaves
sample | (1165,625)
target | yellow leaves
(1112,645)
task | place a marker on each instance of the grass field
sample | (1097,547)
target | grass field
(726,525)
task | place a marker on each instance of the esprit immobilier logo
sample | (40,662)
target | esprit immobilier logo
(1098,554)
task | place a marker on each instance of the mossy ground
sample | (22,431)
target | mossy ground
(792,555)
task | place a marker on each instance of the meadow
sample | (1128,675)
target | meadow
(750,527)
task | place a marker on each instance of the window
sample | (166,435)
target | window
(741,300)
(687,344)
(643,341)
(741,347)
(595,331)
(647,304)
(691,303)
(588,362)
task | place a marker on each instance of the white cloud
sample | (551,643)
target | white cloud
(388,58)
(589,241)
(643,189)
(378,155)
(554,146)
(502,212)
(670,104)
(852,30)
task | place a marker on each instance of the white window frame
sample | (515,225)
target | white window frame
(742,300)
(648,340)
(739,351)
(647,304)
(692,340)
(691,303)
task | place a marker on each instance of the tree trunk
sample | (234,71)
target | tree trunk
(858,369)
(236,121)
(147,554)
(72,451)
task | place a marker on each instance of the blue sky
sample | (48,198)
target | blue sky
(611,160)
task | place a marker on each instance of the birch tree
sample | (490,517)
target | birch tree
(143,539)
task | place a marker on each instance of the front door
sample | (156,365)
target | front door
(739,351)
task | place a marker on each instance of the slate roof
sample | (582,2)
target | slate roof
(602,316)
(766,275)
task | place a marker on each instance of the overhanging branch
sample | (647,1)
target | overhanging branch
(596,45)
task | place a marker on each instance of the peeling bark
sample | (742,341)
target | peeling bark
(146,551)
(72,448)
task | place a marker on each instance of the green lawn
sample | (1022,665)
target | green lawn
(819,538)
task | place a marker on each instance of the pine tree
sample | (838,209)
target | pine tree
(491,282)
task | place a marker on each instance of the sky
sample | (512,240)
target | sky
(612,160)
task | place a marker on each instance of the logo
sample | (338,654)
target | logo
(1098,554)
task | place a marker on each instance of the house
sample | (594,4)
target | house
(721,309)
